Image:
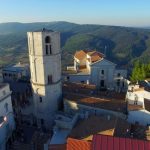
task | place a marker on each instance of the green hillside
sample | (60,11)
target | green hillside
(121,45)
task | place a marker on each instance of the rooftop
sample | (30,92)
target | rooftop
(88,95)
(95,56)
(81,71)
(80,54)
(102,142)
(74,144)
(107,125)
(16,67)
(93,125)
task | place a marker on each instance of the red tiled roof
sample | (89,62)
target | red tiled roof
(95,56)
(80,54)
(73,144)
(87,127)
(102,142)
(95,53)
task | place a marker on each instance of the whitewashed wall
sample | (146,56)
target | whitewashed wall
(141,116)
(108,76)
(9,124)
(76,78)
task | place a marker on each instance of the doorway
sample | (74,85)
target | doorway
(102,83)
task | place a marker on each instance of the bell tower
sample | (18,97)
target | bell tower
(45,67)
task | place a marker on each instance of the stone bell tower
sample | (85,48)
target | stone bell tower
(45,66)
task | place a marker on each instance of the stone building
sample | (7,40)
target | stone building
(15,72)
(7,124)
(45,67)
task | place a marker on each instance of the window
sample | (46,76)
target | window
(135,102)
(46,49)
(47,39)
(4,92)
(6,107)
(40,99)
(9,75)
(118,82)
(49,79)
(50,49)
(42,121)
(122,84)
(118,74)
(102,83)
(102,72)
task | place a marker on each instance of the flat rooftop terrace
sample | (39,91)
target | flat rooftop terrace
(81,71)
(90,96)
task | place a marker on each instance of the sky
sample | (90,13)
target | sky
(104,12)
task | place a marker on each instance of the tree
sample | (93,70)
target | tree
(138,72)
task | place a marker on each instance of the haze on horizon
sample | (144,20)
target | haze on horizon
(106,12)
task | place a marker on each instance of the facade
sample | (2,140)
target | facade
(92,67)
(15,72)
(7,124)
(45,67)
(138,105)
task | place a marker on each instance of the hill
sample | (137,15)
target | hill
(121,45)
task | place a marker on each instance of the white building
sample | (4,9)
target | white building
(138,105)
(45,67)
(7,124)
(92,67)
(15,72)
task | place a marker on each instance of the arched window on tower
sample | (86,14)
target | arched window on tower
(48,47)
(47,40)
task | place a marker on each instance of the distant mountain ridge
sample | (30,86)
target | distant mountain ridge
(121,45)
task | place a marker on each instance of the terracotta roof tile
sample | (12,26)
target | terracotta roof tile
(74,144)
(103,103)
(85,128)
(95,56)
(80,54)
(87,95)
